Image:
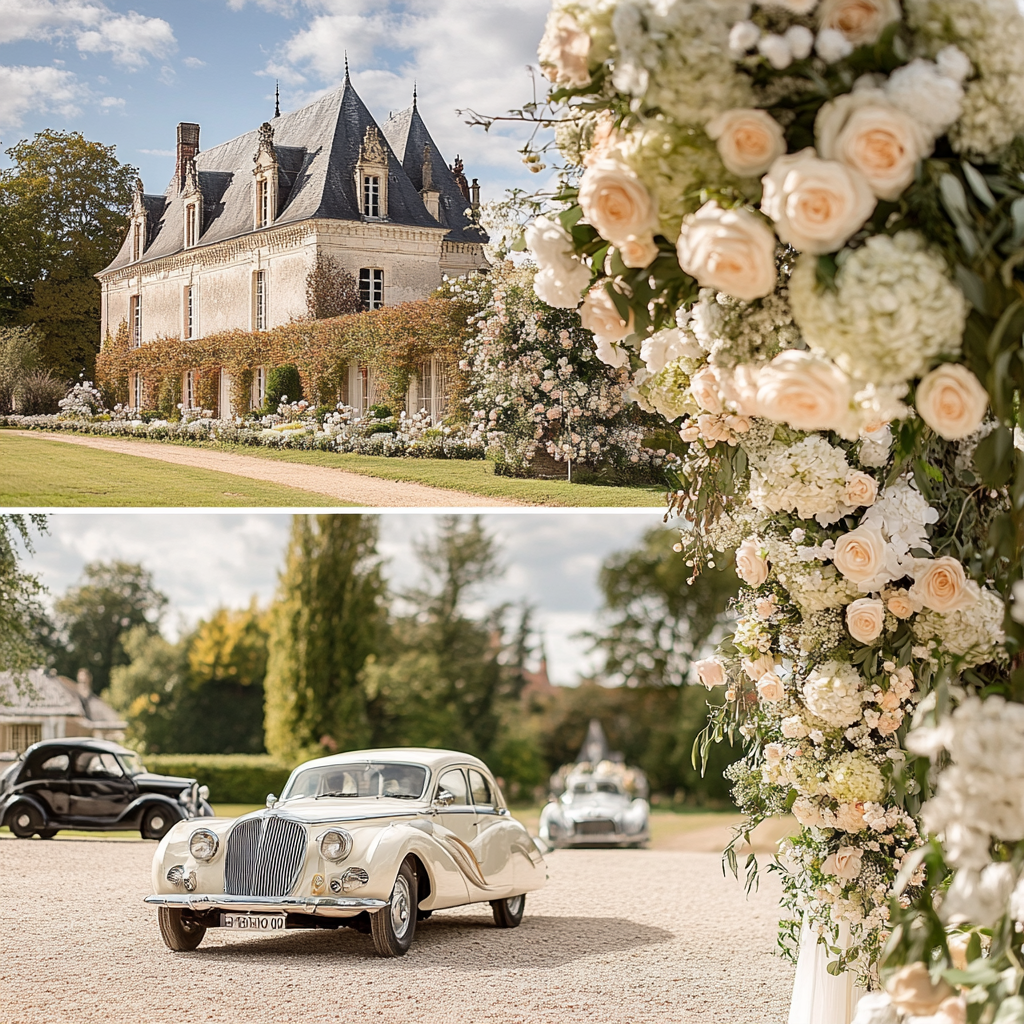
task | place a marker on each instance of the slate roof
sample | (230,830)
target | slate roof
(317,149)
(408,136)
(47,695)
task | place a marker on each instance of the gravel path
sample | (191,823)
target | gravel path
(618,936)
(335,483)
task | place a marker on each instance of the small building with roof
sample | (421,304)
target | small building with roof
(44,706)
(230,242)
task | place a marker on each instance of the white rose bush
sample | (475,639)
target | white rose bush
(799,226)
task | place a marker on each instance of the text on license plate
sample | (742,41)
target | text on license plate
(254,922)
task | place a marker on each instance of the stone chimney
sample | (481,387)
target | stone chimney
(83,682)
(188,146)
(474,194)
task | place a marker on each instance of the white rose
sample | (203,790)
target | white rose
(941,584)
(638,252)
(563,51)
(861,489)
(832,45)
(664,347)
(750,566)
(953,63)
(951,401)
(773,753)
(913,992)
(794,6)
(770,688)
(729,250)
(844,863)
(816,204)
(804,391)
(616,203)
(759,667)
(860,554)
(776,50)
(860,21)
(561,279)
(598,314)
(743,37)
(876,1008)
(706,389)
(930,97)
(865,618)
(749,140)
(866,132)
(710,672)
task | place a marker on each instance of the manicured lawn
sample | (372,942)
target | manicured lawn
(473,475)
(36,472)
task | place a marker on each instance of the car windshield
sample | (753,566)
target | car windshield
(132,762)
(368,779)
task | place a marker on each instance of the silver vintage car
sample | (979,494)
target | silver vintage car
(372,839)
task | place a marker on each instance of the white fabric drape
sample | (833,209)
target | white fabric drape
(820,997)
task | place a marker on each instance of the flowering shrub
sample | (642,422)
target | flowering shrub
(82,402)
(800,224)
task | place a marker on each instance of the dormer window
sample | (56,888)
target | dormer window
(192,205)
(265,175)
(372,175)
(191,225)
(136,240)
(262,202)
(137,230)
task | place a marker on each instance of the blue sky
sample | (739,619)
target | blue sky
(552,560)
(127,73)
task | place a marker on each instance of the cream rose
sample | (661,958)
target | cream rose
(861,489)
(804,391)
(750,566)
(638,252)
(866,132)
(759,666)
(598,314)
(710,672)
(941,584)
(561,279)
(564,50)
(850,816)
(729,250)
(844,863)
(902,605)
(860,21)
(951,401)
(860,554)
(773,753)
(749,140)
(865,618)
(706,389)
(770,688)
(616,203)
(913,992)
(816,204)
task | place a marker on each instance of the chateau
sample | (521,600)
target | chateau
(229,244)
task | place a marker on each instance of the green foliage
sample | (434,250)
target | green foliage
(324,625)
(19,356)
(232,778)
(282,382)
(20,611)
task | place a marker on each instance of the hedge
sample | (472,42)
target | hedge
(232,778)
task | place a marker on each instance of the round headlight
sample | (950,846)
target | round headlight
(203,844)
(336,844)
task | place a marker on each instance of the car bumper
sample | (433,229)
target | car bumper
(599,839)
(324,906)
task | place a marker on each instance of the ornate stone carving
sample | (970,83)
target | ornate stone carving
(265,143)
(190,186)
(372,151)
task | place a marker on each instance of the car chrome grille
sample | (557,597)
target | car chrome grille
(596,826)
(264,856)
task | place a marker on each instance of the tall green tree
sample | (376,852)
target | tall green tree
(655,622)
(20,611)
(324,624)
(91,620)
(63,210)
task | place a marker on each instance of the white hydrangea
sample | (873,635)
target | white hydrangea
(927,94)
(668,391)
(832,692)
(903,515)
(991,34)
(894,311)
(853,777)
(808,478)
(814,589)
(972,634)
(733,331)
(980,796)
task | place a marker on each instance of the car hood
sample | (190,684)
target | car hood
(168,785)
(600,805)
(344,809)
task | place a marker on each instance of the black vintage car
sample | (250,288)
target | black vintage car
(95,785)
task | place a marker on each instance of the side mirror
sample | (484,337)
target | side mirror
(271,800)
(444,798)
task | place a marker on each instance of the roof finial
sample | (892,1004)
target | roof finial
(277,99)
(346,65)
(414,94)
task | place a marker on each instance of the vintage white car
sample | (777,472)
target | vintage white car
(372,839)
(596,809)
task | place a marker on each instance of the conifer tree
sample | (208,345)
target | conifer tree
(324,624)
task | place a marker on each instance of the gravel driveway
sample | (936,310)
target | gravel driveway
(617,936)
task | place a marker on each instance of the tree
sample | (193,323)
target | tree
(20,611)
(92,618)
(324,624)
(63,210)
(657,622)
(330,289)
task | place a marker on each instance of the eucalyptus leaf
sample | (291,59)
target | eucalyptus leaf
(978,184)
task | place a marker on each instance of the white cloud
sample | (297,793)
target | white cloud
(36,90)
(194,62)
(112,103)
(130,39)
(157,152)
(285,7)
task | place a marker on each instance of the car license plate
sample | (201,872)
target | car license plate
(254,922)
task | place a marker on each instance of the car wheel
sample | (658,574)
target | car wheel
(25,821)
(180,933)
(508,912)
(394,926)
(47,833)
(157,822)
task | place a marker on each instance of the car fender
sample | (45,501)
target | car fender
(22,798)
(138,807)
